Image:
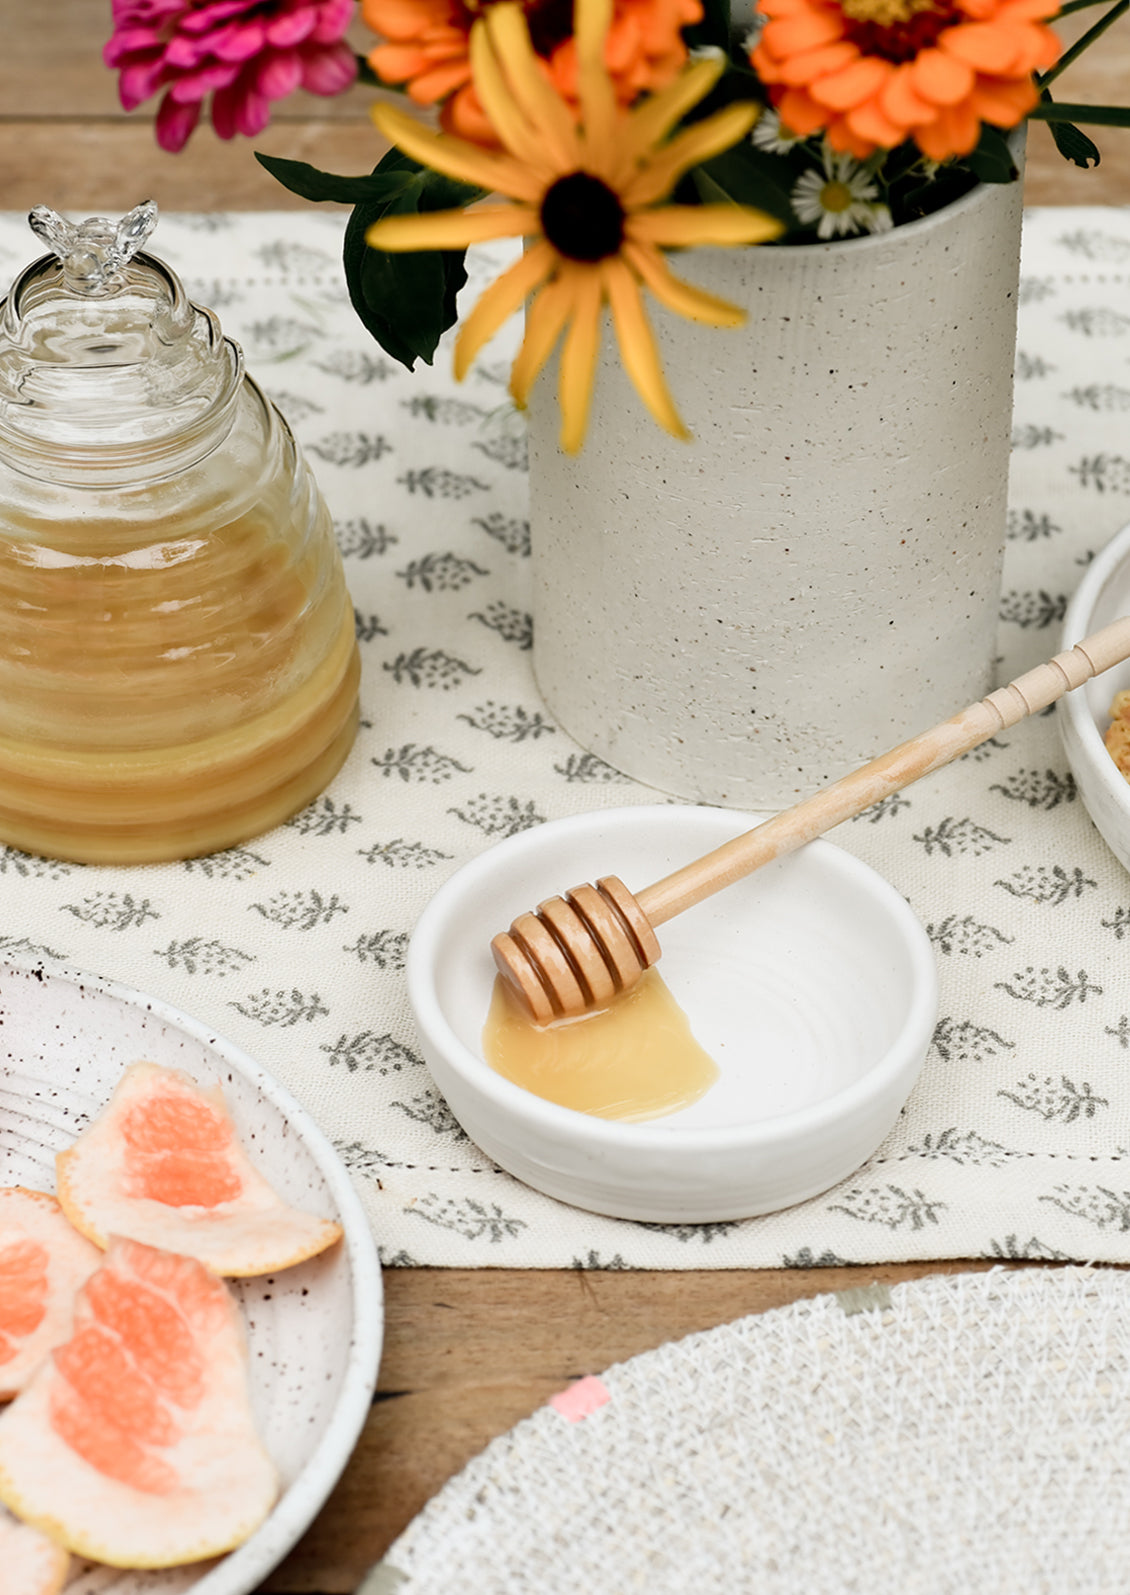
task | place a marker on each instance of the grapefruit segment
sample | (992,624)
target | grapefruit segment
(33,1564)
(135,1443)
(43,1261)
(162,1164)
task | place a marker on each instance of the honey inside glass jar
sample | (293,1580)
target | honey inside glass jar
(178,668)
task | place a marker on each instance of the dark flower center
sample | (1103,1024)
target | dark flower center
(582,218)
(897,30)
(550,21)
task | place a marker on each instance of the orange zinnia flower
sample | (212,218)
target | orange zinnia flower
(873,73)
(428,50)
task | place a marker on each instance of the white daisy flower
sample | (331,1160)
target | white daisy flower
(770,134)
(839,198)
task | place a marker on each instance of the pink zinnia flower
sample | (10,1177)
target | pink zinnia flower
(244,53)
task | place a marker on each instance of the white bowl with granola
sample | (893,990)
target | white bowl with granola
(1095,719)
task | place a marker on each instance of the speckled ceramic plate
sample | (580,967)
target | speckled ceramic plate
(314,1331)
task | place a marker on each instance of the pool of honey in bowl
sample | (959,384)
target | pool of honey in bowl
(635,1060)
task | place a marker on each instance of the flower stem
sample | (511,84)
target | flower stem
(1076,50)
(1097,115)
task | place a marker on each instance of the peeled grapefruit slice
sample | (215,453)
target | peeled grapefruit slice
(135,1443)
(33,1564)
(43,1261)
(161,1164)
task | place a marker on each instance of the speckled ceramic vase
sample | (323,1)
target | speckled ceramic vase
(744,618)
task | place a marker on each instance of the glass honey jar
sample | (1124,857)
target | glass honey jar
(178,666)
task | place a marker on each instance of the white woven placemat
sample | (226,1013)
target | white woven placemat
(963,1435)
(1015,1142)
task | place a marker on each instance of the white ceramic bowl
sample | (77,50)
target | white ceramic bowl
(314,1331)
(811,984)
(1103,595)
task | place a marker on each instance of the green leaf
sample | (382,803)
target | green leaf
(311,183)
(747,176)
(366,75)
(714,29)
(1074,145)
(407,301)
(991,161)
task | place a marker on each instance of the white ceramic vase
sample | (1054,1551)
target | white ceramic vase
(744,618)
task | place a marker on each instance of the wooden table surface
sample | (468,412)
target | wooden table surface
(467,1353)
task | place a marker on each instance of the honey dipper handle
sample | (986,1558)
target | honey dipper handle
(889,773)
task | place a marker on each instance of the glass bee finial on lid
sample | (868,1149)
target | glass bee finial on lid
(92,252)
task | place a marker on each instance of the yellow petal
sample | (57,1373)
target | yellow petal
(457,157)
(683,225)
(503,112)
(578,356)
(698,143)
(544,320)
(599,111)
(451,229)
(658,113)
(498,303)
(539,100)
(637,346)
(681,297)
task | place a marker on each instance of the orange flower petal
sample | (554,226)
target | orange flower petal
(396,63)
(806,31)
(985,46)
(899,101)
(439,82)
(941,78)
(765,64)
(1025,11)
(800,112)
(801,70)
(463,115)
(955,132)
(406,19)
(868,122)
(857,82)
(1003,101)
(841,138)
(1044,47)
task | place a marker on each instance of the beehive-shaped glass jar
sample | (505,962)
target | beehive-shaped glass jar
(178,669)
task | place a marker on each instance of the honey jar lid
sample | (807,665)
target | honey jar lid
(105,363)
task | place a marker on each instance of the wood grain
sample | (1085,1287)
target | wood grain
(65,140)
(467,1352)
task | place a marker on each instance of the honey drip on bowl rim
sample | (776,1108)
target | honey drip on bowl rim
(634,1060)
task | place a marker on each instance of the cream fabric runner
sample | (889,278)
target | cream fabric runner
(1016,1142)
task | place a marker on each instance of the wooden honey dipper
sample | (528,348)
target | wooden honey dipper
(579,951)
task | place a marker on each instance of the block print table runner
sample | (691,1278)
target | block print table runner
(1015,1144)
